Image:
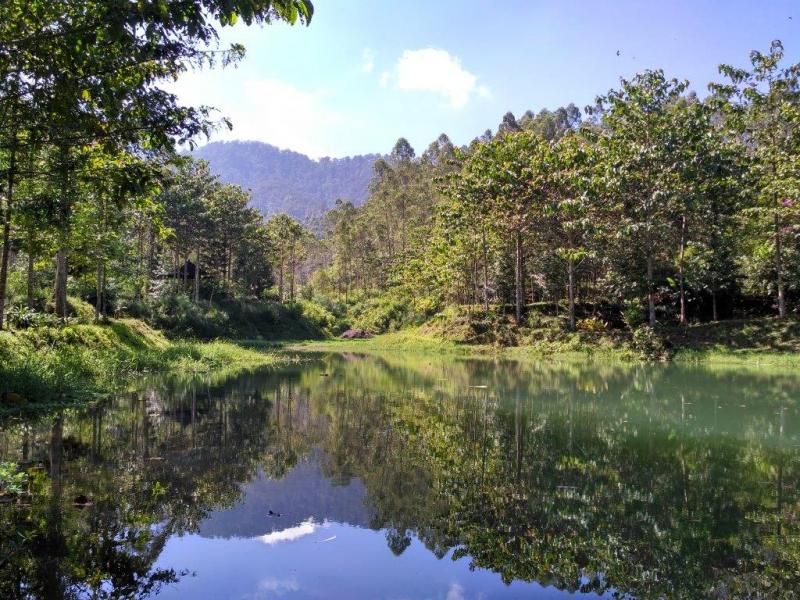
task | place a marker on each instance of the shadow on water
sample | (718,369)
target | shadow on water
(530,479)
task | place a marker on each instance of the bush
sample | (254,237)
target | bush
(22,317)
(13,482)
(591,324)
(81,311)
(649,345)
(181,317)
(382,314)
(633,315)
(317,314)
(472,327)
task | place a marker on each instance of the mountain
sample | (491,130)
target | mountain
(286,181)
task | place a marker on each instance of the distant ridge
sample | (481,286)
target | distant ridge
(287,181)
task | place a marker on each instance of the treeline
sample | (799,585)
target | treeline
(653,201)
(93,199)
(652,204)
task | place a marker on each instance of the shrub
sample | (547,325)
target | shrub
(12,481)
(317,314)
(382,314)
(82,311)
(633,315)
(181,317)
(649,344)
(591,324)
(22,317)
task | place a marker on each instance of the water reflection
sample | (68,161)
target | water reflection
(356,476)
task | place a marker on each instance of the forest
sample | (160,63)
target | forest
(283,181)
(655,206)
(167,361)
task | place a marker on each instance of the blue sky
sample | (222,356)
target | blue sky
(367,72)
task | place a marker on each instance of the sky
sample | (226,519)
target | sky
(366,72)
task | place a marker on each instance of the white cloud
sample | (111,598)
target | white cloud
(455,592)
(367,60)
(272,584)
(386,77)
(438,71)
(267,110)
(292,533)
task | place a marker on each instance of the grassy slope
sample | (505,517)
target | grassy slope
(768,341)
(419,340)
(81,361)
(752,342)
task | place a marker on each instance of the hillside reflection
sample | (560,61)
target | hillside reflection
(617,479)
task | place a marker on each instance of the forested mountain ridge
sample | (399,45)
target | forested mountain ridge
(284,181)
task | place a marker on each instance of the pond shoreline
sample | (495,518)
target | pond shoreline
(747,343)
(57,366)
(60,366)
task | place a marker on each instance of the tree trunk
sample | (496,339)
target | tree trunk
(280,278)
(571,292)
(100,302)
(60,292)
(4,260)
(291,273)
(651,304)
(150,263)
(518,278)
(185,274)
(64,209)
(7,208)
(197,277)
(680,270)
(714,306)
(485,271)
(31,279)
(779,266)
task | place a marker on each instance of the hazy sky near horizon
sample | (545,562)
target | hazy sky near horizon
(365,73)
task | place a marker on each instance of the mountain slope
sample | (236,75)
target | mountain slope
(286,181)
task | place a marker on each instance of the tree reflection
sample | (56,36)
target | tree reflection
(629,480)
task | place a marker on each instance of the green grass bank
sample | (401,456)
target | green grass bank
(751,342)
(57,365)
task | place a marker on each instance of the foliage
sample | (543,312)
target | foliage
(633,315)
(80,362)
(649,344)
(382,314)
(12,481)
(22,317)
(591,324)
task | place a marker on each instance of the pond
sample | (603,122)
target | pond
(354,476)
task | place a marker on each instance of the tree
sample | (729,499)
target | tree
(91,70)
(569,207)
(510,174)
(287,240)
(638,161)
(762,108)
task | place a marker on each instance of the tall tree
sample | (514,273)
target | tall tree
(762,106)
(638,156)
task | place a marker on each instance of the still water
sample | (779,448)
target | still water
(350,476)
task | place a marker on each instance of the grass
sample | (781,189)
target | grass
(58,365)
(752,342)
(78,362)
(755,341)
(419,340)
(406,340)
